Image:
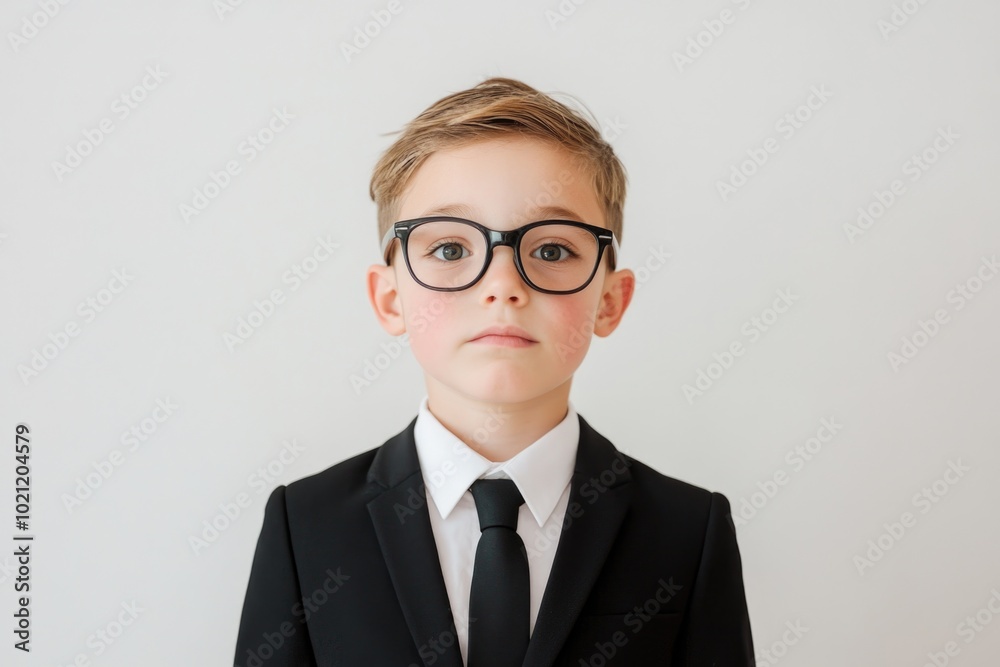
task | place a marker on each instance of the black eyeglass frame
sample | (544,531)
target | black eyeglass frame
(494,237)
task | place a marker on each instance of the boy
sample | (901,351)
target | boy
(498,528)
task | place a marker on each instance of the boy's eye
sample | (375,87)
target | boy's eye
(451,251)
(553,252)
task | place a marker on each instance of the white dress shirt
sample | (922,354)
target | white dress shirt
(542,473)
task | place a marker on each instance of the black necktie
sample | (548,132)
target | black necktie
(499,603)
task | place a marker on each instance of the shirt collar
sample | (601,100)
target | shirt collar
(541,471)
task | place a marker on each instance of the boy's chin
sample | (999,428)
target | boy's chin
(530,390)
(506,394)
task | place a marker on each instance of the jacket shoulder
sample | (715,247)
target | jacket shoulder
(654,489)
(650,486)
(342,487)
(652,480)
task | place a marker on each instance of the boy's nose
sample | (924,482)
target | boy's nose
(502,274)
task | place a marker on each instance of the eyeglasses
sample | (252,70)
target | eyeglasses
(449,254)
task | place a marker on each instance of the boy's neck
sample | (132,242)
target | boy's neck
(497,431)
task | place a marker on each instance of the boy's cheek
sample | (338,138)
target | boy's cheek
(429,311)
(575,326)
(428,350)
(576,340)
(428,320)
(432,328)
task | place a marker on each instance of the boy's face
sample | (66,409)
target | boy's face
(503,184)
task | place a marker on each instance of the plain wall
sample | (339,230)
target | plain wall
(878,338)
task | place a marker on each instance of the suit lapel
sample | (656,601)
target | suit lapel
(600,493)
(404,532)
(599,498)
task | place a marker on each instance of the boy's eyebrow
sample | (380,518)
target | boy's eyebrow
(537,213)
(457,210)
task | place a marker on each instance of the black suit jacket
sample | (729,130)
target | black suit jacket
(646,572)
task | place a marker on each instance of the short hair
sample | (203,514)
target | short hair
(495,108)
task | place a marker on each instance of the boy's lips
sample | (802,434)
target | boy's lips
(502,334)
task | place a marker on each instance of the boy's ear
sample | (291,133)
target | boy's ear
(384,298)
(615,298)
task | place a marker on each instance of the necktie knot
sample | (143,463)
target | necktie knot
(497,502)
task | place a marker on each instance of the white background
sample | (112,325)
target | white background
(680,129)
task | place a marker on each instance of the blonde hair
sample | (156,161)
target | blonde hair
(498,107)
